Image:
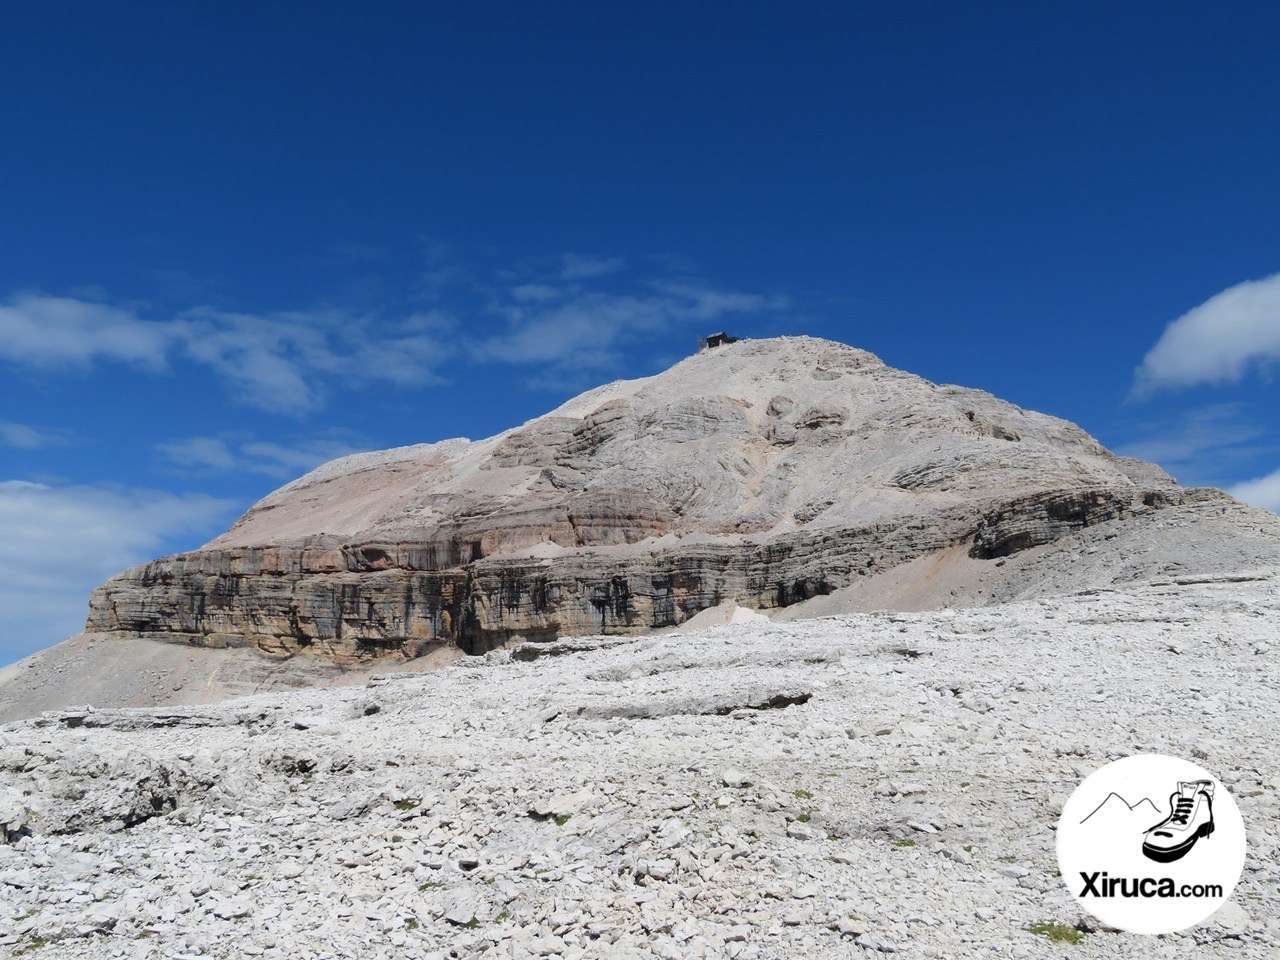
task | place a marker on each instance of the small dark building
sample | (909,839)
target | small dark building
(716,339)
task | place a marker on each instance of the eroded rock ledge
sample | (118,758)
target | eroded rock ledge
(348,602)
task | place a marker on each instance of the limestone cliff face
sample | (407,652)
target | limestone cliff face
(763,472)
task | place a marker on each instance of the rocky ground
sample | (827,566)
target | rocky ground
(882,782)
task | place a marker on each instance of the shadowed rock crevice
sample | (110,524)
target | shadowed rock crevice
(719,704)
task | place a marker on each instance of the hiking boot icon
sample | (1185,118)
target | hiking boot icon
(1190,818)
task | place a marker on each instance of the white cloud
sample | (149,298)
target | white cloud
(282,362)
(26,437)
(579,332)
(1218,340)
(1202,437)
(267,359)
(708,303)
(246,455)
(581,329)
(61,542)
(50,332)
(288,362)
(281,460)
(199,453)
(1263,492)
(292,362)
(405,361)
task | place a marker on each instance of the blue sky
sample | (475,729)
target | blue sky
(239,239)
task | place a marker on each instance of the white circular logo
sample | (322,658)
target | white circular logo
(1151,844)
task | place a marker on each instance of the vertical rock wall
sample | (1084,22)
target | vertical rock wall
(349,602)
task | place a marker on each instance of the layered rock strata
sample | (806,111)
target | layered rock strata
(762,472)
(332,603)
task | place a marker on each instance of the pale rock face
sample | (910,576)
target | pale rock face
(763,472)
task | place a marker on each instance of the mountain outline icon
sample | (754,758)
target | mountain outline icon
(1114,800)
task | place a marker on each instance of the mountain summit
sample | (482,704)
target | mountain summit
(795,476)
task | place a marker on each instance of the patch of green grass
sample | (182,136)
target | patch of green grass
(406,804)
(503,917)
(35,943)
(411,924)
(429,885)
(805,817)
(803,795)
(1057,932)
(563,819)
(904,843)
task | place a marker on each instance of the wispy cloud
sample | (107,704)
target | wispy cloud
(1201,437)
(1218,341)
(62,541)
(199,453)
(709,303)
(26,437)
(407,354)
(283,362)
(228,453)
(572,315)
(266,360)
(575,332)
(1263,492)
(45,332)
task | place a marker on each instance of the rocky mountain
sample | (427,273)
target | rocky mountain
(695,778)
(793,476)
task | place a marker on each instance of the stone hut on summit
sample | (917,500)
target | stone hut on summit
(715,340)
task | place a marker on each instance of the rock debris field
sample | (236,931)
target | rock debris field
(883,782)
